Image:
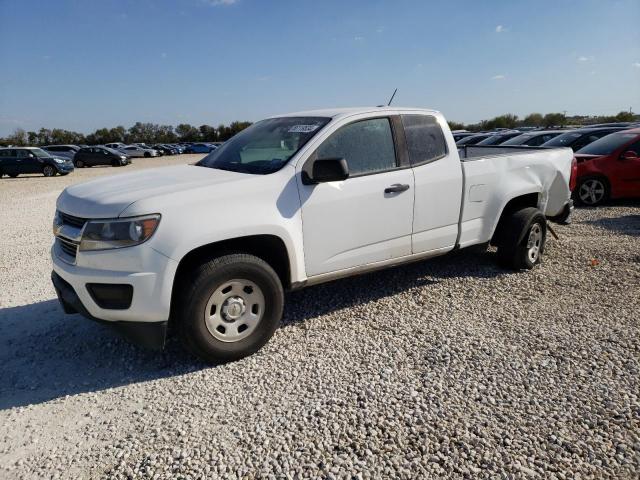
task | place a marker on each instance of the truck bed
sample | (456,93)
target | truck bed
(475,152)
(493,174)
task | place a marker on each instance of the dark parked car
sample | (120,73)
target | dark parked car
(473,139)
(499,138)
(534,138)
(66,151)
(577,139)
(16,161)
(90,156)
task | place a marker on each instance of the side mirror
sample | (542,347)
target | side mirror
(629,155)
(324,170)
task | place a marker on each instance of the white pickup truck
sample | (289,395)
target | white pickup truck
(293,200)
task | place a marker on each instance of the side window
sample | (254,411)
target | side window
(366,145)
(535,141)
(634,147)
(22,153)
(425,140)
(5,153)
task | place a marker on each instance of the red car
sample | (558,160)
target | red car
(609,168)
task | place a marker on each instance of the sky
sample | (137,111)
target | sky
(87,64)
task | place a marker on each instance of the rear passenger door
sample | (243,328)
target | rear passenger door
(7,161)
(27,162)
(438,185)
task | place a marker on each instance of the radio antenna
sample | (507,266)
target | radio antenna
(391,99)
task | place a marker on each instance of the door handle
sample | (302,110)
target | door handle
(396,188)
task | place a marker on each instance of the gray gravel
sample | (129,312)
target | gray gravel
(446,368)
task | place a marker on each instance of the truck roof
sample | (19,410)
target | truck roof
(347,112)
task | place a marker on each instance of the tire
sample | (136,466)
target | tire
(79,164)
(522,239)
(230,307)
(49,171)
(147,155)
(13,175)
(592,191)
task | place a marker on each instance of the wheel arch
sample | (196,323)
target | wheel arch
(531,199)
(270,248)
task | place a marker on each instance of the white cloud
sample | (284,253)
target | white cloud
(380,29)
(358,38)
(584,59)
(636,64)
(501,29)
(498,77)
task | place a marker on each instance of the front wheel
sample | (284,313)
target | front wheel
(523,239)
(592,191)
(231,307)
(79,164)
(147,155)
(48,171)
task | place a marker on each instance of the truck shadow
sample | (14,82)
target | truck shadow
(625,225)
(45,354)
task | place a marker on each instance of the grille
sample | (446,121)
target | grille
(71,220)
(67,247)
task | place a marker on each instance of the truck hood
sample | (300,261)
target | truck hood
(108,197)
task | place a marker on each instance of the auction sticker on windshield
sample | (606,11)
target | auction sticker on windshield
(302,128)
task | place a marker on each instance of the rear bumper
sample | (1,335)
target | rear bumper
(146,334)
(564,218)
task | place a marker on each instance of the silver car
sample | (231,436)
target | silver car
(136,151)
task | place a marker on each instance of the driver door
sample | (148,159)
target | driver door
(366,218)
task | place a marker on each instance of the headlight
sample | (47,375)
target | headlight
(122,157)
(118,233)
(58,160)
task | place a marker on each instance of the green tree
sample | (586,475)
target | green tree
(18,138)
(187,133)
(554,120)
(533,120)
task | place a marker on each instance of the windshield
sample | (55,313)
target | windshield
(38,152)
(563,140)
(265,146)
(497,139)
(608,144)
(472,140)
(519,140)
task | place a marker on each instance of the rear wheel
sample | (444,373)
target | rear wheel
(79,164)
(592,191)
(48,171)
(147,155)
(523,238)
(230,308)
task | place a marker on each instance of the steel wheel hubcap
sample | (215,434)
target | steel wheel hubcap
(591,191)
(234,310)
(534,242)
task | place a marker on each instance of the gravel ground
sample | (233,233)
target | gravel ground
(445,368)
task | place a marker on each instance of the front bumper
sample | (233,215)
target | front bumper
(66,167)
(146,334)
(149,273)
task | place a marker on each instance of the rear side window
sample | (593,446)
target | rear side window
(425,140)
(6,153)
(367,146)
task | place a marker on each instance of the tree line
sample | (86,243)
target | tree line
(510,120)
(153,133)
(140,132)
